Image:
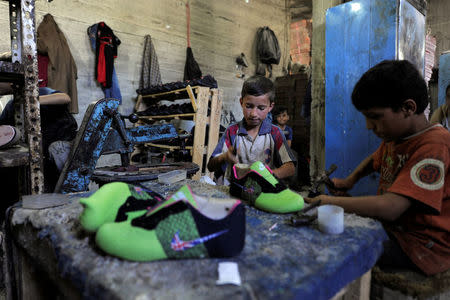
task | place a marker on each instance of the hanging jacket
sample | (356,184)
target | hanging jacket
(191,68)
(150,74)
(106,52)
(113,91)
(268,50)
(62,70)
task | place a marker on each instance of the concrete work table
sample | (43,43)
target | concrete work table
(51,254)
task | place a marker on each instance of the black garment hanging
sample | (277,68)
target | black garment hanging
(191,68)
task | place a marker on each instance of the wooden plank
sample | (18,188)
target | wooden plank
(139,106)
(186,89)
(171,148)
(214,125)
(203,96)
(167,116)
(317,136)
(192,97)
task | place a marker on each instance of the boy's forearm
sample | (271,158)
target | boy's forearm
(363,169)
(286,170)
(388,206)
(54,99)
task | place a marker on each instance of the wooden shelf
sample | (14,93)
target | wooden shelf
(168,146)
(179,91)
(167,116)
(11,72)
(201,98)
(189,90)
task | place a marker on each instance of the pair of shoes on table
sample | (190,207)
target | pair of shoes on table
(9,136)
(136,224)
(257,185)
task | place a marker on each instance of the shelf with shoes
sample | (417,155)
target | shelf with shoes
(22,72)
(201,100)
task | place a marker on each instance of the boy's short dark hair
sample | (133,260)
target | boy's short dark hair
(389,84)
(278,110)
(258,85)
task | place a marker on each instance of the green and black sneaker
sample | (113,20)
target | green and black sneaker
(116,202)
(179,228)
(261,189)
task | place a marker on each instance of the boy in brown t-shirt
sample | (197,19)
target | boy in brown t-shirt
(413,198)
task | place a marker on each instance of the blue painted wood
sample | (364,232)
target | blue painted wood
(359,34)
(88,145)
(99,135)
(444,76)
(138,135)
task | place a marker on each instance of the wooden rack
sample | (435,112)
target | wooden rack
(201,98)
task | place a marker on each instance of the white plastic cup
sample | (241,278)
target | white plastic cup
(331,219)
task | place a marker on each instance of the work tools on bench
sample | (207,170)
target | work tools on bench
(305,216)
(322,178)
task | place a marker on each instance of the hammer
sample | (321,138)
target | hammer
(324,178)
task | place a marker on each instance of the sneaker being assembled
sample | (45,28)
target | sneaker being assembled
(178,229)
(116,202)
(260,188)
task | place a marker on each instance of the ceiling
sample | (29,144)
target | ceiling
(300,9)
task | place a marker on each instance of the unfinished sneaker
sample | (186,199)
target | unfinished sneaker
(260,188)
(116,202)
(9,136)
(178,229)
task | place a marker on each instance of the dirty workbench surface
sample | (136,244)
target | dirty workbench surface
(278,262)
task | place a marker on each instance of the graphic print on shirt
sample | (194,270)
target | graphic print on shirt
(393,163)
(428,174)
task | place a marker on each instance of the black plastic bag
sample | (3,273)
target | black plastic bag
(267,46)
(191,68)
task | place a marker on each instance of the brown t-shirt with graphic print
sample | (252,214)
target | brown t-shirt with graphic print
(418,168)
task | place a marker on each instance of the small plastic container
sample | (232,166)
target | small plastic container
(331,219)
(172,176)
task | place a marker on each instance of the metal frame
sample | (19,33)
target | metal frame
(23,50)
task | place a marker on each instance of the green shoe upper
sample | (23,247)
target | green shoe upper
(183,194)
(262,170)
(114,202)
(176,229)
(260,188)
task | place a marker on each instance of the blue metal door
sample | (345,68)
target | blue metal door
(359,34)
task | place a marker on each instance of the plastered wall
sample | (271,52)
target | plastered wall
(438,24)
(220,31)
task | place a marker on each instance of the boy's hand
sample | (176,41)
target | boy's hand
(231,156)
(322,198)
(341,186)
